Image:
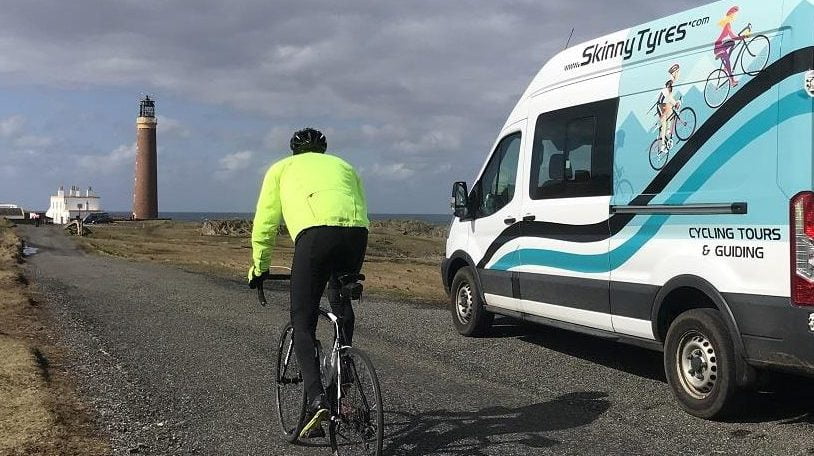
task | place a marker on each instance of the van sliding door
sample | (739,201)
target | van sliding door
(564,261)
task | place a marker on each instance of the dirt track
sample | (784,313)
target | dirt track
(176,362)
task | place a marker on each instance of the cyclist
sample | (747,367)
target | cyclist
(321,199)
(726,43)
(667,104)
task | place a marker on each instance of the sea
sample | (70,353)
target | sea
(435,219)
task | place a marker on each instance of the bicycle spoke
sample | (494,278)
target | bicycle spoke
(285,361)
(359,382)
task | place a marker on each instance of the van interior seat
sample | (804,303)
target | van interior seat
(556,167)
(582,175)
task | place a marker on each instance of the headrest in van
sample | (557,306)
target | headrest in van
(556,167)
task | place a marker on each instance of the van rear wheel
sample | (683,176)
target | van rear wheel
(699,361)
(468,314)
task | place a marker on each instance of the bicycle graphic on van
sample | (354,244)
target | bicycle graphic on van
(752,55)
(682,125)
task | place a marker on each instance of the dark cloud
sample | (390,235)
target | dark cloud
(415,91)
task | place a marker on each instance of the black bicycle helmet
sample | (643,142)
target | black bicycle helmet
(308,140)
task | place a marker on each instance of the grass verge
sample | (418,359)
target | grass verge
(397,265)
(39,411)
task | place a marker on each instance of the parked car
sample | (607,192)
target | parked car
(97,218)
(674,215)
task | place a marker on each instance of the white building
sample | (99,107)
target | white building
(66,207)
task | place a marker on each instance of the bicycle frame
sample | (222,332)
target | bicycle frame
(674,117)
(336,348)
(739,46)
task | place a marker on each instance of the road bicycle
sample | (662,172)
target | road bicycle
(752,55)
(356,424)
(682,125)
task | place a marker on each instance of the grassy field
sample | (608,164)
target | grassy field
(39,413)
(399,263)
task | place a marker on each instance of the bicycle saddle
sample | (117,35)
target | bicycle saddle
(351,286)
(351,278)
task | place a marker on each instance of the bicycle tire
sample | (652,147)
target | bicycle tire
(623,187)
(717,88)
(687,120)
(289,387)
(655,155)
(758,49)
(359,428)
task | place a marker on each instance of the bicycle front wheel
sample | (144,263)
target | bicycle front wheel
(755,56)
(290,390)
(360,427)
(685,124)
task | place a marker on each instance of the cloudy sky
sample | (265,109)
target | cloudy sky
(411,92)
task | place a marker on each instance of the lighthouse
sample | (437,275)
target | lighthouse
(145,188)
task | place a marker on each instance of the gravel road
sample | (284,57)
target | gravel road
(179,363)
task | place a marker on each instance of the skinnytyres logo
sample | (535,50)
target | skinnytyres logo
(646,41)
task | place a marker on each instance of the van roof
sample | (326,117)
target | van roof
(645,41)
(657,39)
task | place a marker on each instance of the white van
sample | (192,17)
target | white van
(654,186)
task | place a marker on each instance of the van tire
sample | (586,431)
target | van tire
(699,362)
(468,315)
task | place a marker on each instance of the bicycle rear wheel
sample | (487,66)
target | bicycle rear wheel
(290,389)
(359,429)
(658,158)
(717,88)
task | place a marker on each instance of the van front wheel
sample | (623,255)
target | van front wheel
(699,361)
(468,314)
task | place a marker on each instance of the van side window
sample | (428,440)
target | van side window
(572,155)
(497,183)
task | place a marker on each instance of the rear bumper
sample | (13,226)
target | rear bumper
(775,333)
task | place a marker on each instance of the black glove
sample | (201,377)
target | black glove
(258,279)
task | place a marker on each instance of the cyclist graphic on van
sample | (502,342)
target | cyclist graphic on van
(751,56)
(726,43)
(673,120)
(667,103)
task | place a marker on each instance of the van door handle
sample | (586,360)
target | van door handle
(529,218)
(509,221)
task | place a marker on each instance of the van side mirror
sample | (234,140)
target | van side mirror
(460,200)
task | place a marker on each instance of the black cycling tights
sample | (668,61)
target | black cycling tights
(321,255)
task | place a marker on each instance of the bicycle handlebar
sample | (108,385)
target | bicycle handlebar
(261,295)
(278,277)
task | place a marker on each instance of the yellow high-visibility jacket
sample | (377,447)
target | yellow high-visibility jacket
(307,189)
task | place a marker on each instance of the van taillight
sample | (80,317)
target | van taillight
(802,249)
